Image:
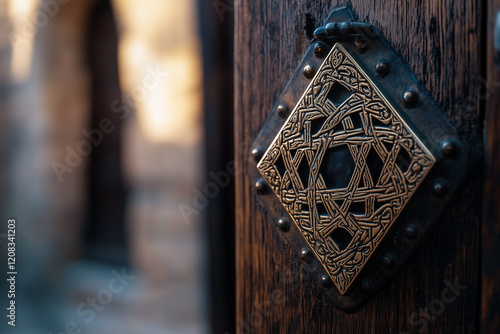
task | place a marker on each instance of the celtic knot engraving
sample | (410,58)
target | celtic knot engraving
(344,165)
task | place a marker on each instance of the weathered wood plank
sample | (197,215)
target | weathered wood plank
(441,40)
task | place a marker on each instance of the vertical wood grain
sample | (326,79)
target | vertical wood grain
(441,40)
(490,297)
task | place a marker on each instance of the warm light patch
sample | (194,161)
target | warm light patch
(168,104)
(170,113)
(24,26)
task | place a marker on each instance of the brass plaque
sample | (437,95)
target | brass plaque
(344,165)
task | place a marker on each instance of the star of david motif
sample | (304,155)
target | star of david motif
(344,166)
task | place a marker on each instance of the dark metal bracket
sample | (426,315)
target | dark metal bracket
(344,29)
(435,148)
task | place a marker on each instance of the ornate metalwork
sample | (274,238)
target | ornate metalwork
(362,158)
(344,165)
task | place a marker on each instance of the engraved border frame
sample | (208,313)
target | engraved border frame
(394,112)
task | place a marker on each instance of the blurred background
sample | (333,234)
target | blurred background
(115,116)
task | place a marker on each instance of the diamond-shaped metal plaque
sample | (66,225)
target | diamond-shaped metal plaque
(344,165)
(360,156)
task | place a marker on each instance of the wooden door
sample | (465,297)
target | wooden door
(448,45)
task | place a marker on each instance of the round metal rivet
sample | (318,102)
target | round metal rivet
(388,260)
(320,49)
(362,43)
(439,188)
(282,110)
(448,148)
(261,186)
(325,281)
(383,68)
(257,154)
(309,71)
(305,254)
(411,231)
(283,224)
(410,98)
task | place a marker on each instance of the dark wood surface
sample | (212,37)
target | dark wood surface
(441,40)
(490,299)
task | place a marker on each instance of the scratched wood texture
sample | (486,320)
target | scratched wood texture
(442,42)
(490,280)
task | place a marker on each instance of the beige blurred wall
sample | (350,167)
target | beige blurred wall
(47,107)
(163,155)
